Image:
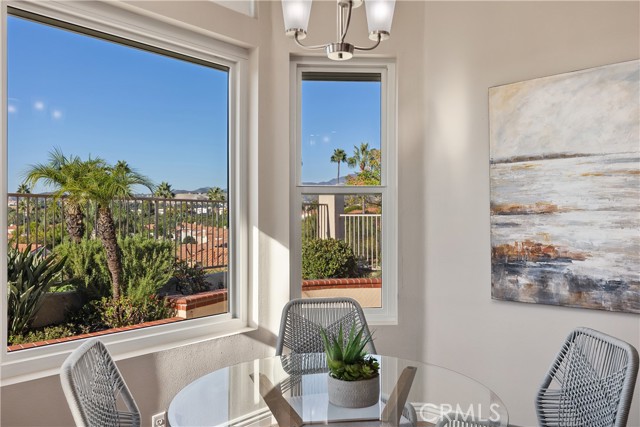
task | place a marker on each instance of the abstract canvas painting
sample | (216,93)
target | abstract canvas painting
(565,189)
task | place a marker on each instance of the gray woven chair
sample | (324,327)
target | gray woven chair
(590,383)
(95,390)
(303,319)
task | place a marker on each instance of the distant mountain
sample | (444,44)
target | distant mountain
(201,190)
(334,181)
(197,194)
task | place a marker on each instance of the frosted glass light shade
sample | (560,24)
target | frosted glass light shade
(379,17)
(296,16)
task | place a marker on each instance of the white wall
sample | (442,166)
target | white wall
(448,54)
(470,47)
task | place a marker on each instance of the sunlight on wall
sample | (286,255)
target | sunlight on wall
(274,279)
(451,121)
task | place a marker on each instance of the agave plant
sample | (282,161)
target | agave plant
(30,274)
(347,359)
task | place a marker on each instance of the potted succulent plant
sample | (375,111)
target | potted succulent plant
(353,380)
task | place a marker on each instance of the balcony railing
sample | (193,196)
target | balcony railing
(197,228)
(315,221)
(363,234)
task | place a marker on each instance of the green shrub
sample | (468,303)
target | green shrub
(147,265)
(44,334)
(352,208)
(327,258)
(189,280)
(63,288)
(188,240)
(127,311)
(86,267)
(29,277)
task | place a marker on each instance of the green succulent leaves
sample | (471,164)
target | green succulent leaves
(346,358)
(30,274)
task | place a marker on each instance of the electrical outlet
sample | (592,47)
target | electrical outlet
(159,420)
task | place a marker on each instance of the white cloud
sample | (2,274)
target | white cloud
(312,141)
(326,139)
(38,105)
(12,109)
(56,114)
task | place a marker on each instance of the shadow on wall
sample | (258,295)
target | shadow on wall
(51,409)
(263,336)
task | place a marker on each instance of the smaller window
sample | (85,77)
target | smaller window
(344,211)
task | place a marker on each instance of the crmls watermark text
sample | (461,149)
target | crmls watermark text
(433,413)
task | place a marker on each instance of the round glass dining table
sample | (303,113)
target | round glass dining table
(255,393)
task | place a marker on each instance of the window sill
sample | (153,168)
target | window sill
(25,346)
(38,362)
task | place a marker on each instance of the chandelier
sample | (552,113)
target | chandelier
(379,16)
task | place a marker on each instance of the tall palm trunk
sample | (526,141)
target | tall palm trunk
(338,173)
(74,219)
(107,234)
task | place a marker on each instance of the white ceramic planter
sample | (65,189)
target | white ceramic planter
(354,394)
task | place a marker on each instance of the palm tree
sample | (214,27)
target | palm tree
(216,194)
(102,185)
(66,175)
(23,204)
(164,191)
(23,189)
(361,157)
(339,156)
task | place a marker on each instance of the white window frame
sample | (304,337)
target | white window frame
(121,22)
(388,313)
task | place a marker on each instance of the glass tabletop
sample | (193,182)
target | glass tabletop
(233,396)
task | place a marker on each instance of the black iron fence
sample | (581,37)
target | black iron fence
(198,228)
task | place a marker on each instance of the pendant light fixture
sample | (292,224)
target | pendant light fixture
(379,17)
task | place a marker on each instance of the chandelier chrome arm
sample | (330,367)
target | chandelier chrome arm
(324,46)
(372,47)
(314,47)
(341,27)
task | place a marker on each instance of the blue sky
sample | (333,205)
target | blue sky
(167,118)
(336,115)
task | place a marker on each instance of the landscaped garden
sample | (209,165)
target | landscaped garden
(99,273)
(91,257)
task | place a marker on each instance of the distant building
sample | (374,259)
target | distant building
(191,196)
(211,247)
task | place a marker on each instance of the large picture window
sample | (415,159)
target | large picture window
(344,194)
(122,202)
